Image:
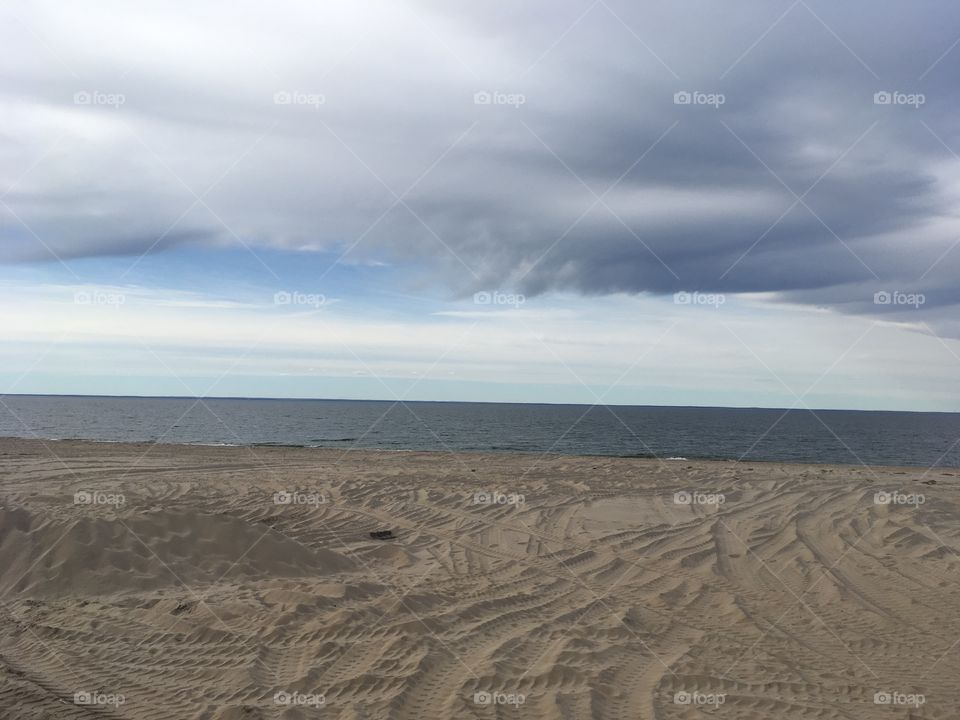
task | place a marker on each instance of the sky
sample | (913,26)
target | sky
(699,203)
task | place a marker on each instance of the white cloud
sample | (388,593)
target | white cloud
(640,345)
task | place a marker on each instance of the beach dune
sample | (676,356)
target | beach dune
(189,582)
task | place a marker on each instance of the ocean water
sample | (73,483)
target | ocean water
(826,436)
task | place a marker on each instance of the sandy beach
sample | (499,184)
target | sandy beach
(161,581)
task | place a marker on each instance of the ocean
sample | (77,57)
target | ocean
(822,436)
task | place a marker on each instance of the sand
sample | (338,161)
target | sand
(149,582)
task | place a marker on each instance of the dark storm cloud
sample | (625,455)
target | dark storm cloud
(596,182)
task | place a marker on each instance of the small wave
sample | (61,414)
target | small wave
(277,444)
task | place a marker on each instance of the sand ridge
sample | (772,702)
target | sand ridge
(152,582)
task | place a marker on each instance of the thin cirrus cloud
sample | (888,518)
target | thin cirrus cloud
(538,148)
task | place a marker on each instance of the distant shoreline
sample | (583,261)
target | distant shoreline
(122,445)
(265,398)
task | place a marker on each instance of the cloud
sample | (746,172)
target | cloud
(357,130)
(744,352)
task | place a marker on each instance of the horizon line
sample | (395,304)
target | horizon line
(465,402)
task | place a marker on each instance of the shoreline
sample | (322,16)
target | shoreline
(949,469)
